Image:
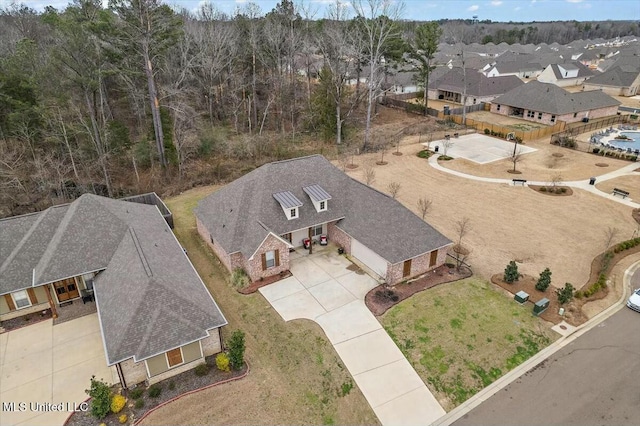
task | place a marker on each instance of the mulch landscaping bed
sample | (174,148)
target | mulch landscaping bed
(23,321)
(573,310)
(176,386)
(383,297)
(551,190)
(263,282)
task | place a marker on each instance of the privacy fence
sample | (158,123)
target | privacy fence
(502,131)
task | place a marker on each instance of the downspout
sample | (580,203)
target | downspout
(220,338)
(121,376)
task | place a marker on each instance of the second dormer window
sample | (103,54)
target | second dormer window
(323,205)
(293,213)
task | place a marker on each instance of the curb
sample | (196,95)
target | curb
(540,357)
(233,379)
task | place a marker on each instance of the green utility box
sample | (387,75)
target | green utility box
(540,306)
(521,297)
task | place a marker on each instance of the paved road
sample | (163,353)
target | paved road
(592,381)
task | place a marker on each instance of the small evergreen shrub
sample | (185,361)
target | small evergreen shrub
(565,294)
(100,398)
(544,281)
(201,370)
(139,403)
(239,278)
(511,273)
(154,391)
(222,362)
(487,131)
(543,189)
(117,403)
(136,393)
(236,350)
(172,385)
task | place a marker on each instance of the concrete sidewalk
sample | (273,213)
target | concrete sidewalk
(324,290)
(532,362)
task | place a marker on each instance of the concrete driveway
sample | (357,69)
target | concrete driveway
(324,290)
(41,363)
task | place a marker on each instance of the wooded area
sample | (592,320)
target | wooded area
(139,97)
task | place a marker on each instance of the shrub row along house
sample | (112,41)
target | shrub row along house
(254,222)
(156,317)
(547,103)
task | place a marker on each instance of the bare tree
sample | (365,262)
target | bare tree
(424,205)
(369,173)
(556,179)
(393,188)
(377,18)
(610,235)
(516,157)
(446,144)
(462,253)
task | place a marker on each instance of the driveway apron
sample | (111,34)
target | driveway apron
(324,290)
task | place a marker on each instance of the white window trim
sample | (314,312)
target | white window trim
(15,302)
(166,356)
(293,213)
(266,259)
(321,207)
(314,227)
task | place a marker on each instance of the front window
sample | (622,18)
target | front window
(539,116)
(174,357)
(21,299)
(553,118)
(270,258)
(316,230)
(294,212)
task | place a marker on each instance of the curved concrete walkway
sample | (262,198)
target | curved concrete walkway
(322,289)
(579,184)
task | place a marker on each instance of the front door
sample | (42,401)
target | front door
(406,270)
(66,289)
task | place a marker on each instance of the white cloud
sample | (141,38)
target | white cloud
(473,8)
(496,3)
(517,8)
(574,1)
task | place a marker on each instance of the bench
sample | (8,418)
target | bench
(623,193)
(520,181)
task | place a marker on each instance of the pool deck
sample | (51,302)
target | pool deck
(607,140)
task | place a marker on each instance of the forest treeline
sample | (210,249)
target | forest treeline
(137,95)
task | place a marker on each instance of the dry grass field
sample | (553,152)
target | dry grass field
(507,222)
(504,120)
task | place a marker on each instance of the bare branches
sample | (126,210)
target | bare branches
(369,173)
(424,205)
(393,188)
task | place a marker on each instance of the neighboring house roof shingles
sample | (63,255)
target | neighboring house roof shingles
(240,215)
(150,299)
(477,83)
(549,98)
(622,74)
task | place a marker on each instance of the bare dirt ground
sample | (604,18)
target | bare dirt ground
(508,223)
(630,183)
(504,120)
(543,164)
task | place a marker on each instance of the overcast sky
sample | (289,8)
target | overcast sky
(495,10)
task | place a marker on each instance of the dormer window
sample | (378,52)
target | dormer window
(289,203)
(319,197)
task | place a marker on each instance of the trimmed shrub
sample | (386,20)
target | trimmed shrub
(154,391)
(136,393)
(424,153)
(122,419)
(139,403)
(202,369)
(543,189)
(236,350)
(544,281)
(222,362)
(511,273)
(117,403)
(487,131)
(100,398)
(563,190)
(596,150)
(565,294)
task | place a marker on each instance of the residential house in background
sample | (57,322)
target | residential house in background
(565,74)
(255,221)
(621,79)
(547,103)
(156,317)
(450,86)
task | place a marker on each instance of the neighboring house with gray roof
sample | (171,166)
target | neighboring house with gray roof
(450,86)
(547,103)
(565,74)
(156,316)
(255,221)
(621,79)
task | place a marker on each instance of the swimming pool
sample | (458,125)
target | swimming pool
(627,144)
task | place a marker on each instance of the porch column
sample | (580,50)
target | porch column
(310,242)
(52,305)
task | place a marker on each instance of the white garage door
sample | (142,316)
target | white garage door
(369,258)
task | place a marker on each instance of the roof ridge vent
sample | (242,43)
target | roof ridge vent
(143,258)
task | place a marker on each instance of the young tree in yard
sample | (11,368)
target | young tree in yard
(236,350)
(369,174)
(422,49)
(446,144)
(511,273)
(424,205)
(100,398)
(565,294)
(516,156)
(381,34)
(544,281)
(462,228)
(393,188)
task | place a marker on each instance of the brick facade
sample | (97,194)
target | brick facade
(212,344)
(419,265)
(253,267)
(133,372)
(567,118)
(339,237)
(211,242)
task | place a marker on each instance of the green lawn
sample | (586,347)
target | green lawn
(460,337)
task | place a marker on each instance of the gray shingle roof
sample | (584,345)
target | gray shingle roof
(477,83)
(316,193)
(241,214)
(621,74)
(549,98)
(582,70)
(150,298)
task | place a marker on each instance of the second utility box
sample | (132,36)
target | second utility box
(521,297)
(540,306)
